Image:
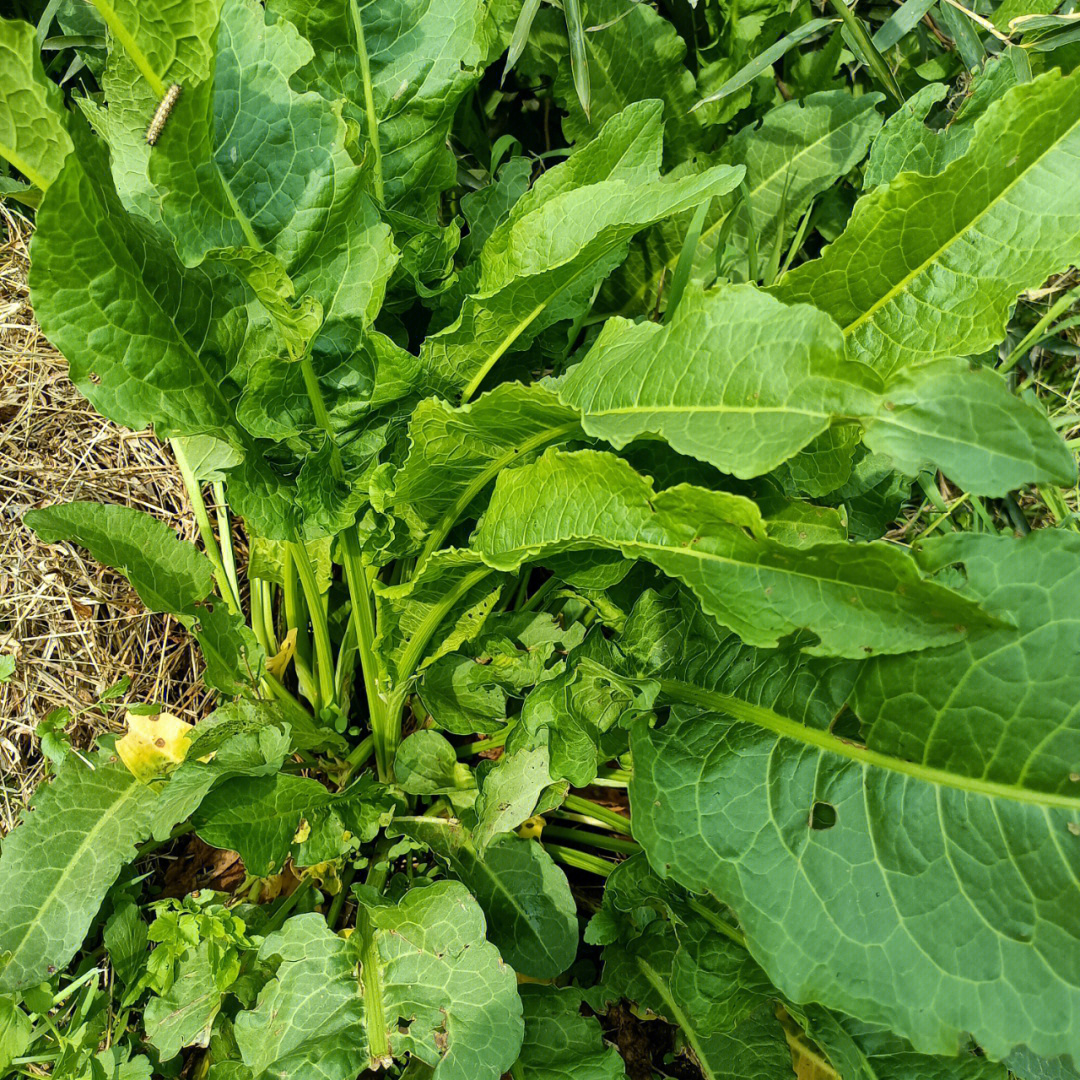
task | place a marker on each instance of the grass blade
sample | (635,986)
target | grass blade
(520,36)
(579,57)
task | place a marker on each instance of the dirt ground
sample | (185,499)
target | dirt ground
(73,628)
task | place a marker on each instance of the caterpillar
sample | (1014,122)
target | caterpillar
(162,113)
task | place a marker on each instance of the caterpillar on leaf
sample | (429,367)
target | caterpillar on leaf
(162,113)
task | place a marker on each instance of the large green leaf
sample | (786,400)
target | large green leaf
(454,454)
(857,599)
(886,879)
(742,382)
(796,152)
(32,133)
(994,222)
(531,915)
(560,1043)
(423,60)
(184,1015)
(432,987)
(148,341)
(176,40)
(60,861)
(559,241)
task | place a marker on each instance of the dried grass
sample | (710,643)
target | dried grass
(73,627)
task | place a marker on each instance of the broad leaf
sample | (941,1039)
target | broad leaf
(432,988)
(531,915)
(454,454)
(147,340)
(741,382)
(184,1015)
(32,133)
(60,861)
(1001,222)
(927,872)
(857,599)
(796,152)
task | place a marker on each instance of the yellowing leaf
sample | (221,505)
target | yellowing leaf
(279,663)
(154,744)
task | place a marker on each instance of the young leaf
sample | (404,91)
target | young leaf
(423,959)
(1001,222)
(542,264)
(184,1015)
(531,915)
(857,599)
(32,134)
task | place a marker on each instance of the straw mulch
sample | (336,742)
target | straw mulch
(73,627)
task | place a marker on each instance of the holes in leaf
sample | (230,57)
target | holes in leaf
(822,815)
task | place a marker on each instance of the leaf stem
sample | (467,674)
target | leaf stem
(324,653)
(592,839)
(611,818)
(228,554)
(131,46)
(206,532)
(363,611)
(580,860)
(369,98)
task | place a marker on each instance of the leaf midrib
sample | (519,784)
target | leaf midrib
(785,727)
(88,842)
(965,231)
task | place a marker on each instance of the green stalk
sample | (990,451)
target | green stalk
(338,902)
(131,47)
(228,554)
(541,594)
(359,754)
(492,742)
(296,618)
(206,531)
(363,612)
(580,860)
(874,60)
(603,814)
(378,1043)
(592,839)
(324,653)
(369,98)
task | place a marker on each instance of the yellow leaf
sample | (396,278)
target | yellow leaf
(278,663)
(155,744)
(531,828)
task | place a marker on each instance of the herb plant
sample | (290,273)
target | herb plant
(572,662)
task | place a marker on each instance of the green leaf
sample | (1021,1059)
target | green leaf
(543,262)
(1001,222)
(454,454)
(880,879)
(560,1043)
(184,1015)
(906,144)
(799,147)
(15,1032)
(147,340)
(658,72)
(487,208)
(60,861)
(168,573)
(32,133)
(744,383)
(426,764)
(857,599)
(531,915)
(509,793)
(421,62)
(259,817)
(432,988)
(175,41)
